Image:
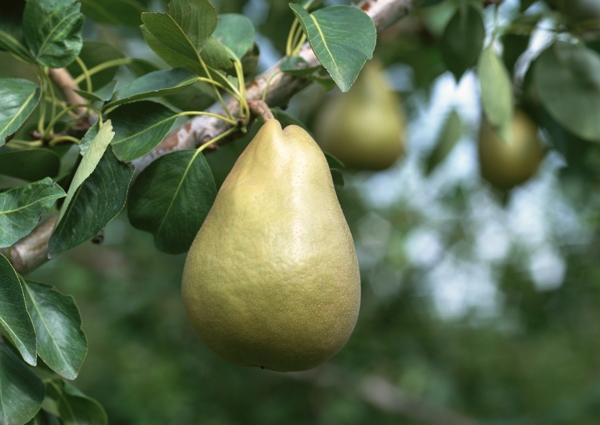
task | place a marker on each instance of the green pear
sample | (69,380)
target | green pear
(272,280)
(365,127)
(506,164)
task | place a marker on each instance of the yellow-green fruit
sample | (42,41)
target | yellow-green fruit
(272,278)
(506,164)
(364,127)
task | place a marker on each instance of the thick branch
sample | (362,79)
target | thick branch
(31,251)
(383,395)
(280,88)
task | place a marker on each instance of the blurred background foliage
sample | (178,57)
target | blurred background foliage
(477,306)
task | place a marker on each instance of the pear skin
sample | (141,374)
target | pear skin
(272,280)
(506,164)
(364,128)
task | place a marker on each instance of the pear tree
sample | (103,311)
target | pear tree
(89,132)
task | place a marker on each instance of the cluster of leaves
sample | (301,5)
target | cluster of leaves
(560,88)
(208,53)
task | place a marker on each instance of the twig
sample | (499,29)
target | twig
(281,87)
(260,109)
(383,395)
(65,82)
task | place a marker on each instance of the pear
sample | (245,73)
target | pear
(365,127)
(271,279)
(506,164)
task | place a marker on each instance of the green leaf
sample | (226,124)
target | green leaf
(52,30)
(496,92)
(88,164)
(333,162)
(335,168)
(94,53)
(171,199)
(44,418)
(61,342)
(88,138)
(11,40)
(342,37)
(170,56)
(21,208)
(98,200)
(197,19)
(525,4)
(197,97)
(297,66)
(19,99)
(215,55)
(139,127)
(154,84)
(139,67)
(14,318)
(447,139)
(102,95)
(114,12)
(179,35)
(236,32)
(75,408)
(30,164)
(462,40)
(21,390)
(567,80)
(287,119)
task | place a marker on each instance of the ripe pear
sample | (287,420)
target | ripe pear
(506,164)
(271,279)
(365,127)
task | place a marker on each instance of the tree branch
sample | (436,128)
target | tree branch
(32,251)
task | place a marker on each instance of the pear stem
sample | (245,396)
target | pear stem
(260,109)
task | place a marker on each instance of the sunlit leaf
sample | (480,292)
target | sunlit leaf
(496,92)
(88,164)
(342,37)
(236,32)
